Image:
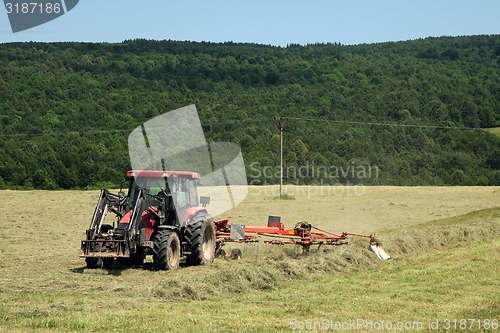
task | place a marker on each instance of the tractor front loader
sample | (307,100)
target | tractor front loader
(160,216)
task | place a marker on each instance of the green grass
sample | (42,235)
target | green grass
(451,283)
(284,196)
(44,286)
(494,130)
(446,269)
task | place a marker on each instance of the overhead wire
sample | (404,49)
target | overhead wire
(371,123)
(248,120)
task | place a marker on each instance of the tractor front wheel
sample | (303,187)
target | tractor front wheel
(95,262)
(136,260)
(167,250)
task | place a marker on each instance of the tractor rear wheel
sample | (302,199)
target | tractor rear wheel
(167,248)
(201,235)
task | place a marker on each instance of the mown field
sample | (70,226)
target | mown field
(445,244)
(494,130)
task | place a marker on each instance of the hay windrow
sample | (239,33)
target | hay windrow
(273,266)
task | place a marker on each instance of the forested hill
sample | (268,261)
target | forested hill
(66,109)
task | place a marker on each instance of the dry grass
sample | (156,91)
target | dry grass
(362,209)
(43,229)
(44,285)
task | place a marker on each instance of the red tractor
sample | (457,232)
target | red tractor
(160,216)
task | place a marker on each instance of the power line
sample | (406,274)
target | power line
(96,132)
(248,120)
(90,132)
(371,123)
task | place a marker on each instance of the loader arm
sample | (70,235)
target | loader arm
(107,201)
(139,207)
(112,243)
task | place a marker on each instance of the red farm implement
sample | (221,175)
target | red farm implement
(302,234)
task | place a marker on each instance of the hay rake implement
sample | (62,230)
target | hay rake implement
(302,234)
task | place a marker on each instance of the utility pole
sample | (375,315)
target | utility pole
(281,125)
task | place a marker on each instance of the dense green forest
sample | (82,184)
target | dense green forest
(399,113)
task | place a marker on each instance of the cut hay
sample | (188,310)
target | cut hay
(270,266)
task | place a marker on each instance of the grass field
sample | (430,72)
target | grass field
(444,242)
(362,209)
(494,130)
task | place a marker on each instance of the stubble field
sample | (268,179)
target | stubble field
(444,242)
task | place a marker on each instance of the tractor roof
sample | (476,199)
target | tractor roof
(162,174)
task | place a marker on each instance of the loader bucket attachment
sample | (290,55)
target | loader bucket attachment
(379,251)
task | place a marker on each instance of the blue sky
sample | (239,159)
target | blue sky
(274,22)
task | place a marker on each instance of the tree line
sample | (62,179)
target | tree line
(414,109)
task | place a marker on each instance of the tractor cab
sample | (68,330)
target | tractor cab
(179,187)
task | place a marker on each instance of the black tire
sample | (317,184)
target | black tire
(167,247)
(137,260)
(235,254)
(94,263)
(201,237)
(220,253)
(107,263)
